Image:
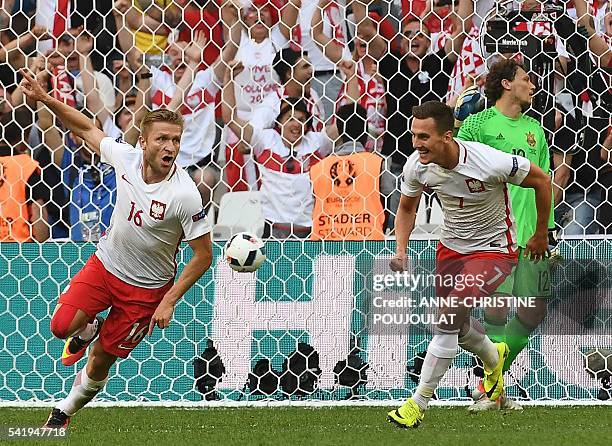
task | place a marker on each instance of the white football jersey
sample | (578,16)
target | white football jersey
(149,220)
(474,196)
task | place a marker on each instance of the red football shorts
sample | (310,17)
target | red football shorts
(94,289)
(476,274)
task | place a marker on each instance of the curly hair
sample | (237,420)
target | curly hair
(500,70)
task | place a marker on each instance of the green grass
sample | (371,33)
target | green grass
(352,426)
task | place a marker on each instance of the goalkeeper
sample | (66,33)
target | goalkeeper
(505,127)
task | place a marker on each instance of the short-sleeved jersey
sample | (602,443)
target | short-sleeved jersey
(149,221)
(474,197)
(523,137)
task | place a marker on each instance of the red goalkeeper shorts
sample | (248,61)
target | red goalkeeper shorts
(477,274)
(94,289)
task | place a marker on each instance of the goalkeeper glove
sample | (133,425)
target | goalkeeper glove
(470,101)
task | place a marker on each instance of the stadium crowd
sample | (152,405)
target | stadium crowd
(288,97)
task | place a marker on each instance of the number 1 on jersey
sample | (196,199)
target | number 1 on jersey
(135,215)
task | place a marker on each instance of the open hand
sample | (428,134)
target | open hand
(194,51)
(537,247)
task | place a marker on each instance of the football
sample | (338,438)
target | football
(245,252)
(468,103)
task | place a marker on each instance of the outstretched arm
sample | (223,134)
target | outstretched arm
(240,127)
(93,102)
(462,22)
(597,44)
(193,54)
(332,49)
(378,46)
(288,17)
(72,119)
(233,29)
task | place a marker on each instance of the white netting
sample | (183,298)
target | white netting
(257,150)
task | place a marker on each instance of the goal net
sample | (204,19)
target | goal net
(317,322)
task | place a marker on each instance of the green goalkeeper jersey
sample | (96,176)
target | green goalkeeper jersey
(524,137)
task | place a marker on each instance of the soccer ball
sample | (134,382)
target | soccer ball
(245,252)
(468,103)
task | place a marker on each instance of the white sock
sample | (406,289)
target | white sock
(84,389)
(440,355)
(475,341)
(88,332)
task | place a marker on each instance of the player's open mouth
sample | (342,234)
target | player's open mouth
(167,159)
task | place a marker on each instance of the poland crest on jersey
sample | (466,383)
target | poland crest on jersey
(158,210)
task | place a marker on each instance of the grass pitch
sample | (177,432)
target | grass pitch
(336,426)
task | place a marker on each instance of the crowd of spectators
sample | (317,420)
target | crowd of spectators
(268,89)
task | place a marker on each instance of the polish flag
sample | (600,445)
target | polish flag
(55,16)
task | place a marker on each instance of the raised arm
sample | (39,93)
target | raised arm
(352,93)
(332,50)
(71,118)
(240,127)
(16,48)
(233,29)
(193,54)
(462,22)
(597,44)
(125,37)
(288,17)
(378,46)
(170,16)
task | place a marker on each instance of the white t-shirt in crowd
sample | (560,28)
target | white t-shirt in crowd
(285,180)
(104,86)
(110,129)
(198,112)
(258,79)
(474,196)
(149,220)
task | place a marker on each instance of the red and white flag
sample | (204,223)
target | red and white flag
(55,16)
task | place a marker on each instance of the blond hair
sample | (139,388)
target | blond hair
(161,115)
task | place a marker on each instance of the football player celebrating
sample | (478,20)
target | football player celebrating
(478,240)
(133,270)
